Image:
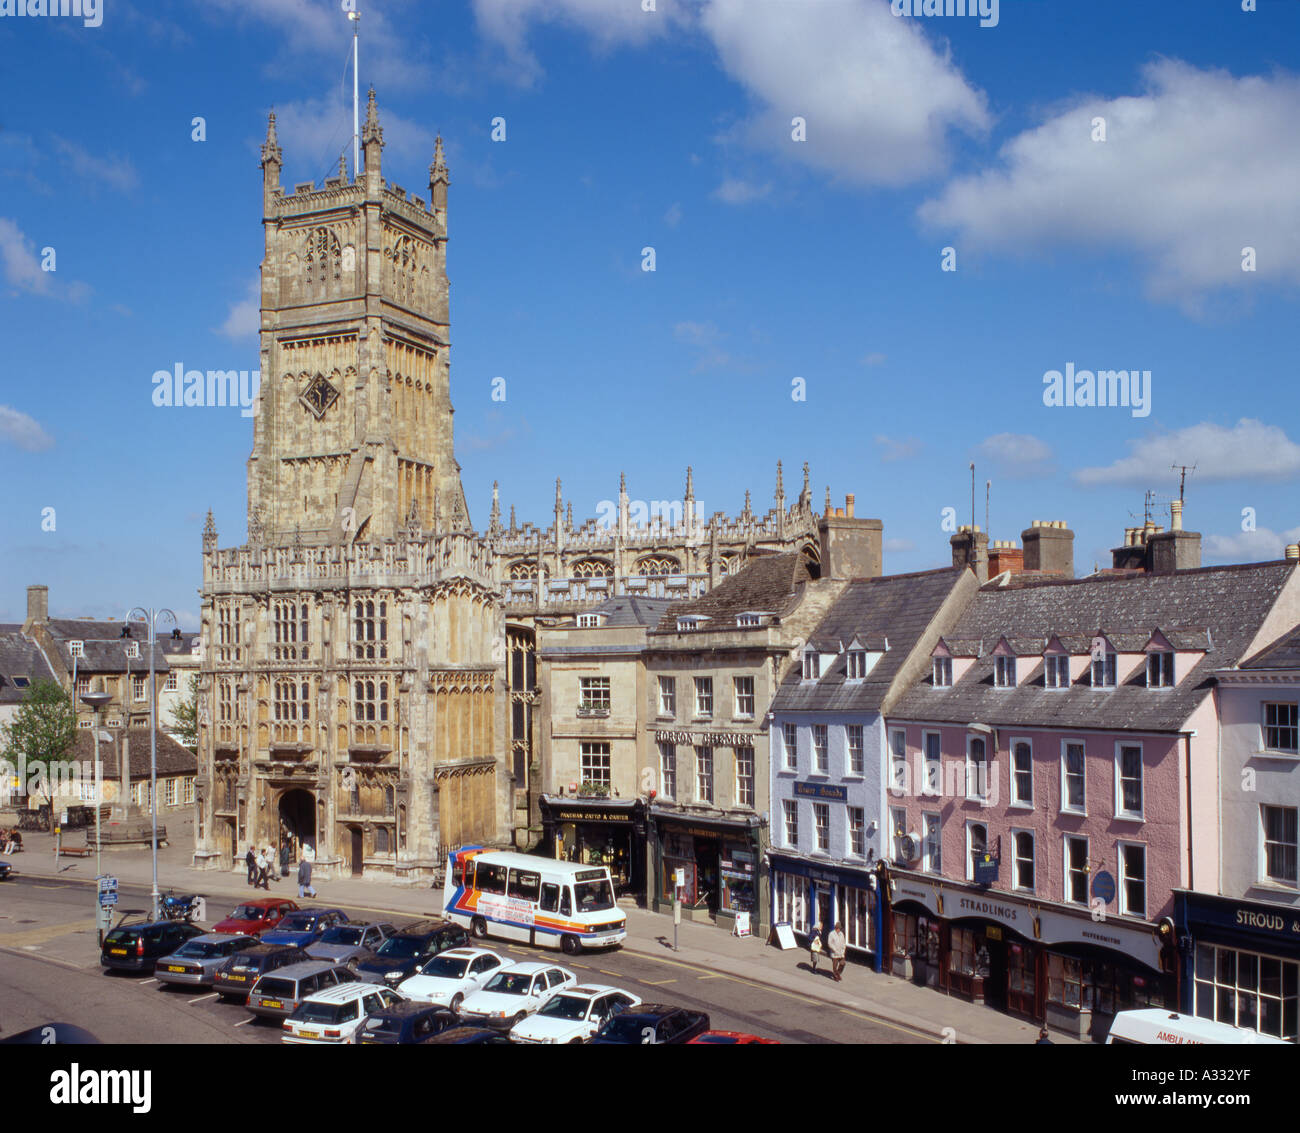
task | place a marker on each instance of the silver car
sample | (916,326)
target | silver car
(195,963)
(348,943)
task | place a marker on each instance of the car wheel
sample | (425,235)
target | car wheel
(456,1001)
(478,926)
(569,944)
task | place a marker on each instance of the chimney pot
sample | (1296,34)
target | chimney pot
(849,500)
(1176,515)
(1293,552)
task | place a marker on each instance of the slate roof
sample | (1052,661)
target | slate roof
(172,646)
(768,583)
(104,648)
(1284,653)
(632,610)
(1229,603)
(899,607)
(19,657)
(173,758)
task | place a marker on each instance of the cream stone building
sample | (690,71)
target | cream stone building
(368,668)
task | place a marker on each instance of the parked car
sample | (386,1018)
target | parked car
(350,943)
(652,1024)
(468,1035)
(195,963)
(404,951)
(235,978)
(574,1015)
(277,994)
(304,926)
(6,871)
(406,1023)
(515,991)
(452,975)
(723,1037)
(335,1014)
(257,916)
(136,946)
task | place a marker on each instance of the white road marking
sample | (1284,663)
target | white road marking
(243,1022)
(150,980)
(204,998)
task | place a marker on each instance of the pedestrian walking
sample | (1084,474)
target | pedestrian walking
(263,866)
(284,859)
(250,860)
(837,945)
(815,945)
(305,887)
(1043,1040)
(270,864)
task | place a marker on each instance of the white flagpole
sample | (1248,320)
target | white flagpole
(355,17)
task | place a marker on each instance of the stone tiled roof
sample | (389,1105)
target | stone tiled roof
(768,583)
(19,657)
(172,646)
(173,758)
(1284,653)
(104,647)
(632,610)
(898,607)
(1228,603)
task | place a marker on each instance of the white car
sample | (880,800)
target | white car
(515,991)
(450,976)
(573,1015)
(335,1015)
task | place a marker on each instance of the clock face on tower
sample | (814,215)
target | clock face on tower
(319,396)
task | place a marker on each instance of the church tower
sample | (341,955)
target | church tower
(353,433)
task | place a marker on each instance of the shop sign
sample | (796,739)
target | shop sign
(1062,928)
(1275,923)
(1103,887)
(821,791)
(707,739)
(813,873)
(959,904)
(592,816)
(926,895)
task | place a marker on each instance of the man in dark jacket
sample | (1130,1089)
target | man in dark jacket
(305,887)
(250,860)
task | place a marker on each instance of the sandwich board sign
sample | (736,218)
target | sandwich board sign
(784,936)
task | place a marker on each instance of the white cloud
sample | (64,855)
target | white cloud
(1014,455)
(878,99)
(1199,166)
(18,259)
(116,172)
(897,448)
(1248,450)
(737,191)
(875,358)
(245,315)
(707,340)
(313,132)
(897,546)
(673,217)
(19,429)
(1260,545)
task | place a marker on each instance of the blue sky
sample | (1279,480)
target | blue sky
(776,259)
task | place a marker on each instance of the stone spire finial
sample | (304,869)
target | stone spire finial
(780,482)
(558,498)
(622,483)
(690,483)
(494,517)
(748,513)
(210,533)
(514,527)
(807,487)
(271,147)
(828,500)
(568,519)
(372,134)
(343,167)
(438,179)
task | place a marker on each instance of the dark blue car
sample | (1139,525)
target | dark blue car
(304,926)
(406,1022)
(482,1035)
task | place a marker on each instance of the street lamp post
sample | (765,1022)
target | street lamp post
(150,617)
(97,700)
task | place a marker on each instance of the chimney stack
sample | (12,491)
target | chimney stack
(970,547)
(1175,549)
(1049,546)
(850,547)
(38,606)
(848,504)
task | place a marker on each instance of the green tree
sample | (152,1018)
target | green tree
(42,731)
(185,716)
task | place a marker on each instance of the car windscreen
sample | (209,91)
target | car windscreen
(199,950)
(340,934)
(566,1007)
(310,1012)
(247,913)
(628,1029)
(446,967)
(245,960)
(122,936)
(276,987)
(510,983)
(400,948)
(296,922)
(594,896)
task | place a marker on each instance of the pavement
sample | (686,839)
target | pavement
(885,997)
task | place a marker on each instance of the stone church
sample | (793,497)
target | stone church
(368,681)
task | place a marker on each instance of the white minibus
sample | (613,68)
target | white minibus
(1155,1026)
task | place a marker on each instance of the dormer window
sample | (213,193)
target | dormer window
(77,648)
(857,664)
(690,623)
(1160,669)
(943,672)
(1103,668)
(590,621)
(1004,672)
(812,665)
(1056,671)
(749,619)
(133,649)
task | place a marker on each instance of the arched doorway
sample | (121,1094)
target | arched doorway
(357,840)
(298,820)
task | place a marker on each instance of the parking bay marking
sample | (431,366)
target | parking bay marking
(204,998)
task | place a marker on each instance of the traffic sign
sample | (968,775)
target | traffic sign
(107,899)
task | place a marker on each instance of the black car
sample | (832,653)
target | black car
(6,871)
(401,954)
(135,946)
(652,1024)
(469,1035)
(236,977)
(406,1022)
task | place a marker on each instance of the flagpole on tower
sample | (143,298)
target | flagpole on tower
(355,17)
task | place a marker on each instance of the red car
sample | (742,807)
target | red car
(253,918)
(730,1037)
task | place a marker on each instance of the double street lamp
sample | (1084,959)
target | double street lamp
(150,617)
(97,700)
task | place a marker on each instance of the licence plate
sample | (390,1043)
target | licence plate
(118,951)
(272,1003)
(241,979)
(174,968)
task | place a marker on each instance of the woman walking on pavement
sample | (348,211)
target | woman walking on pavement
(262,867)
(837,945)
(814,946)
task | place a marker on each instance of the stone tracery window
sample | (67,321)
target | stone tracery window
(523,570)
(369,630)
(322,256)
(592,568)
(658,565)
